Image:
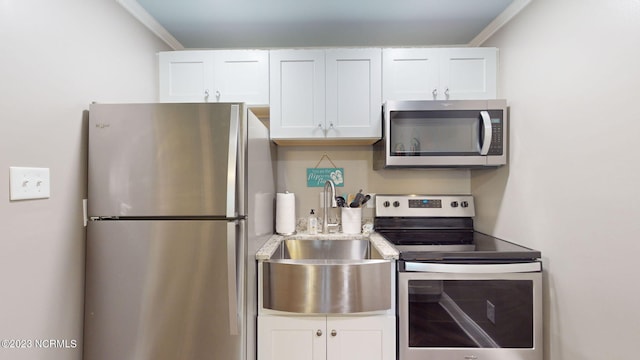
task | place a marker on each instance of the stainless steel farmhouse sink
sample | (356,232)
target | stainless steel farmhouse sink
(325,249)
(326,277)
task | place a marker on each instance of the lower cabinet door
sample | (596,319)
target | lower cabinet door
(361,338)
(292,338)
(326,338)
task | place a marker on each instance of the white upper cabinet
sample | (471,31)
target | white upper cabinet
(214,76)
(297,88)
(469,73)
(410,74)
(185,76)
(241,75)
(439,73)
(325,95)
(353,93)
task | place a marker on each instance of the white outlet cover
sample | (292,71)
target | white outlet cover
(29,183)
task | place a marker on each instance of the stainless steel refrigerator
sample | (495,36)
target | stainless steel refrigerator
(180,196)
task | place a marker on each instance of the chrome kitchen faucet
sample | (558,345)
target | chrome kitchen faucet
(325,222)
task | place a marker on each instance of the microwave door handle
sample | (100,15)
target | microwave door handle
(487,134)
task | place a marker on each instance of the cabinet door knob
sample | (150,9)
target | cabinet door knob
(319,332)
(446,93)
(218,95)
(320,126)
(435,93)
(206,93)
(334,332)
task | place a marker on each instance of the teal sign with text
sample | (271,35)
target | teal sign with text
(316,177)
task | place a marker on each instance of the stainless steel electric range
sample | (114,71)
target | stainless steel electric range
(462,294)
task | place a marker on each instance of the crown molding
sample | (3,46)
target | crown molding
(509,13)
(134,8)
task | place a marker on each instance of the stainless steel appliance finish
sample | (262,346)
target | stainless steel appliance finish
(453,133)
(481,314)
(174,217)
(461,294)
(425,206)
(326,277)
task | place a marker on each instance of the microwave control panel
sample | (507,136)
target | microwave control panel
(497,144)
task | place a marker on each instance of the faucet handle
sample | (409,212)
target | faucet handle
(331,227)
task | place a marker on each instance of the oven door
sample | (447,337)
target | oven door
(470,311)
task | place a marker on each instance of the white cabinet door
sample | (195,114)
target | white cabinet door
(241,76)
(297,94)
(292,338)
(185,76)
(353,93)
(361,338)
(214,76)
(439,74)
(410,74)
(469,73)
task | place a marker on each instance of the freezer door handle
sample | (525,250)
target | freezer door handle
(234,132)
(232,283)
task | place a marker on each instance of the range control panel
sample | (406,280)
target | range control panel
(425,205)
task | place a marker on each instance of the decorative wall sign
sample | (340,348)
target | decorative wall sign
(316,177)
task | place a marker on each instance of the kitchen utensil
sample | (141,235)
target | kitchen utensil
(350,198)
(357,200)
(364,201)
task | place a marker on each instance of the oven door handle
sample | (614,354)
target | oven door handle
(487,133)
(474,268)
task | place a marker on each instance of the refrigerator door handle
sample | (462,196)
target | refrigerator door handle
(234,132)
(232,283)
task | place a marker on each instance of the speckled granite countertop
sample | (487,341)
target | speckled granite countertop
(385,248)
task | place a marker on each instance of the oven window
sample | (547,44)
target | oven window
(415,133)
(471,313)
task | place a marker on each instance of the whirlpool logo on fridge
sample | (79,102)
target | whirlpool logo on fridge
(103,125)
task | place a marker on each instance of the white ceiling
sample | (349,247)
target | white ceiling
(298,23)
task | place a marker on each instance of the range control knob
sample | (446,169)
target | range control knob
(386,204)
(464,204)
(396,203)
(454,204)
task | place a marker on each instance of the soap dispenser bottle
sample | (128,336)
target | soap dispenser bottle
(312,225)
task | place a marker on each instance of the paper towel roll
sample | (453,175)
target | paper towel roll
(285,213)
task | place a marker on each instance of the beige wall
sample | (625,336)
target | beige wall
(57,57)
(569,70)
(357,162)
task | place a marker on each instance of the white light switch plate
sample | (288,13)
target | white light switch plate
(29,183)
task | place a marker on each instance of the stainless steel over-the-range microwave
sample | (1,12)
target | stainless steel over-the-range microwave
(455,133)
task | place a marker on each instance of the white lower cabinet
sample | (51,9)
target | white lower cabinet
(292,338)
(326,338)
(361,338)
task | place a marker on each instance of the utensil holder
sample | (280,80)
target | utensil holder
(351,220)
